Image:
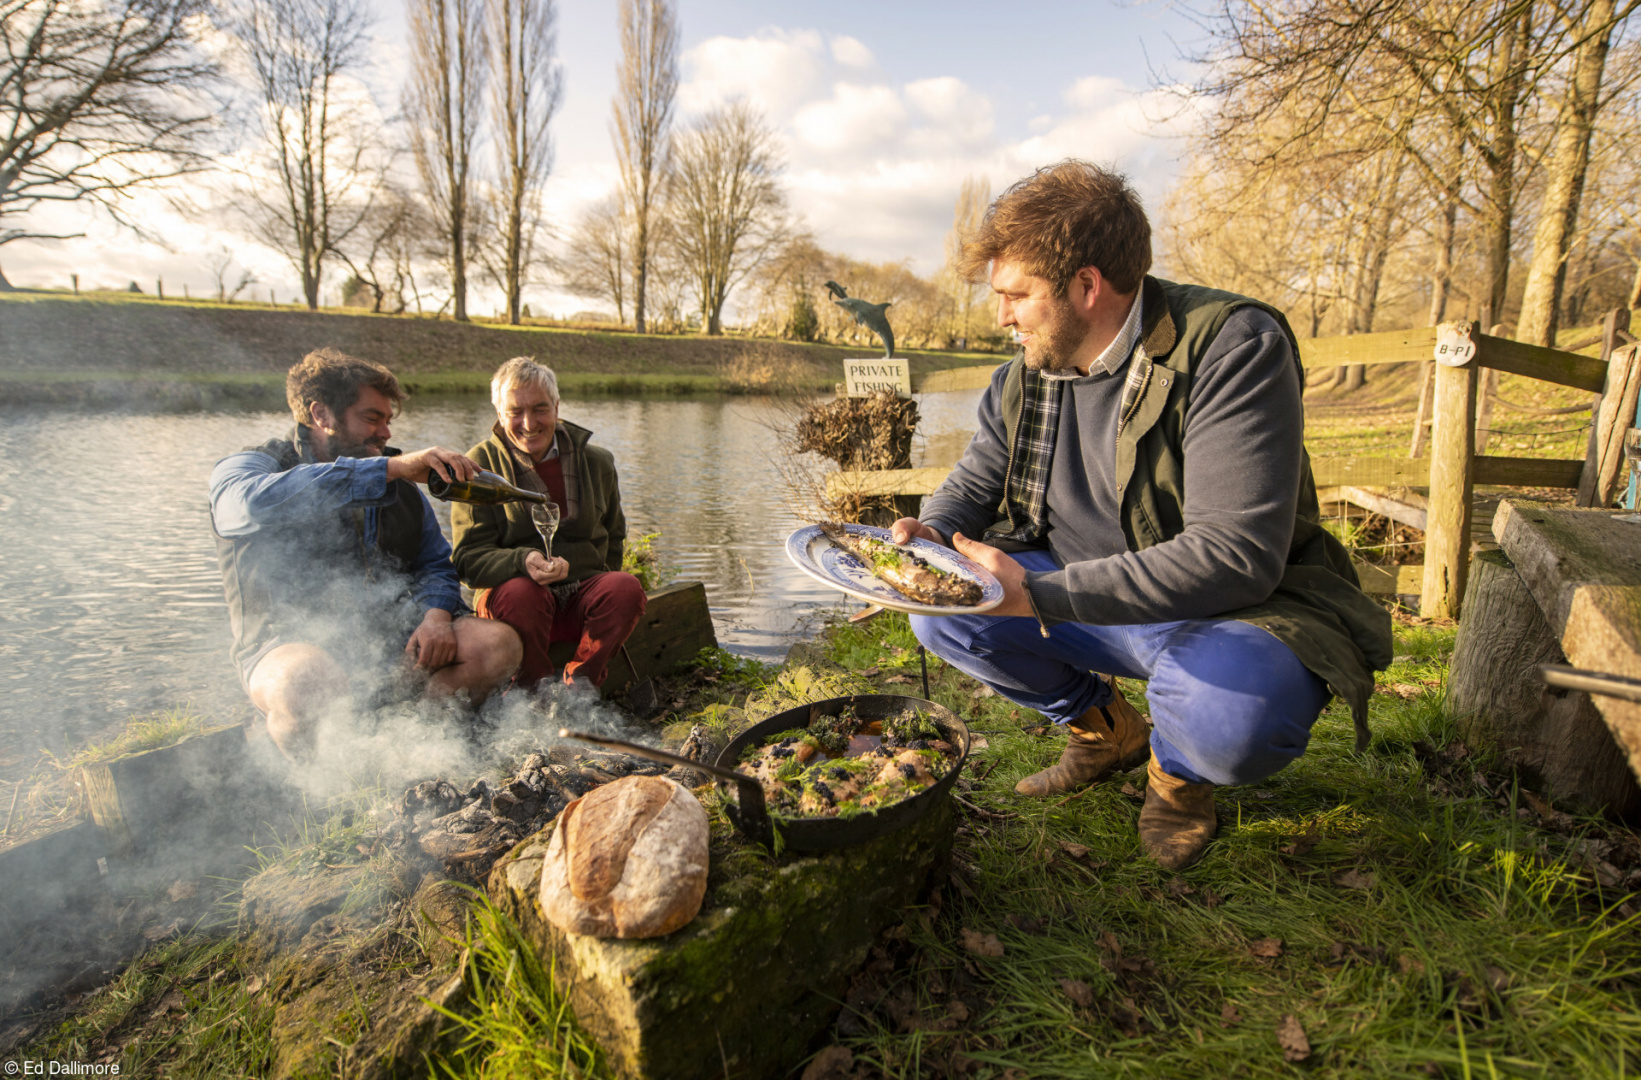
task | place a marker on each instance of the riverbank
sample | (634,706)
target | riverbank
(1406,910)
(117,349)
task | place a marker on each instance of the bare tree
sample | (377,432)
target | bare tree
(643,111)
(319,145)
(1569,166)
(972,199)
(525,84)
(221,265)
(96,99)
(441,104)
(382,252)
(597,263)
(726,203)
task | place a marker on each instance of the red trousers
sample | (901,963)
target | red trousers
(600,616)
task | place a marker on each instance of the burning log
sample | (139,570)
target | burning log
(466,831)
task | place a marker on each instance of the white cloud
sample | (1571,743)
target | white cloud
(875,166)
(851,53)
(859,121)
(777,71)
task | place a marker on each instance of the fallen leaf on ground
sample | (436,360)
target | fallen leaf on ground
(1180,888)
(1210,898)
(1076,851)
(1290,1033)
(1228,1015)
(160,933)
(182,890)
(1302,845)
(1040,730)
(899,679)
(1403,690)
(171,1002)
(1131,791)
(833,1063)
(1080,993)
(1268,947)
(1025,924)
(1410,965)
(957,1010)
(984,692)
(253,985)
(978,742)
(868,673)
(981,944)
(1356,879)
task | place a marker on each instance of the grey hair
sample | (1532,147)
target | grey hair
(522,371)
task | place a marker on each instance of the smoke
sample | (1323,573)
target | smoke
(395,746)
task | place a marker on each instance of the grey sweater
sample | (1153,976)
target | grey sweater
(1244,435)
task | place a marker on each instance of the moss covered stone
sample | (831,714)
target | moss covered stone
(758,974)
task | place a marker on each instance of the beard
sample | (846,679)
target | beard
(1052,345)
(341,446)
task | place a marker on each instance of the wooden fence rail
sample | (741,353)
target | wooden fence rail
(1453,468)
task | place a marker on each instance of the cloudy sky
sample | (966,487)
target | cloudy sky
(884,107)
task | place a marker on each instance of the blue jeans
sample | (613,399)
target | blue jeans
(1230,704)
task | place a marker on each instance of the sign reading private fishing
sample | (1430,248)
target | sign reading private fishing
(863,378)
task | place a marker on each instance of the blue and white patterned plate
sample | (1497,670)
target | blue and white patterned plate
(829,564)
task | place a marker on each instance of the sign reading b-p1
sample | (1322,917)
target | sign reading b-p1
(863,378)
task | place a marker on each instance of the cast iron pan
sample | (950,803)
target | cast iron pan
(823,834)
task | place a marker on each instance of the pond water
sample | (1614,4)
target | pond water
(112,599)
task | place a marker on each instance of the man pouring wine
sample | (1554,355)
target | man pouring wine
(336,573)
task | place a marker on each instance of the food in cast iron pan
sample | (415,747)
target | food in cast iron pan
(905,571)
(841,766)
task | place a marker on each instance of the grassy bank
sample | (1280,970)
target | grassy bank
(1406,911)
(117,348)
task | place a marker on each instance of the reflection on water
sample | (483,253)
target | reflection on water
(113,604)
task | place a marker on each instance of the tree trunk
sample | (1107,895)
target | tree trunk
(6,286)
(1441,278)
(1564,189)
(1556,737)
(1499,155)
(640,281)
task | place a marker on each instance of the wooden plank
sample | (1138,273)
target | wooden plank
(1616,415)
(963,378)
(1380,581)
(1407,508)
(1603,633)
(885,482)
(1537,362)
(1559,550)
(1526,472)
(1392,347)
(1447,539)
(48,877)
(677,625)
(1370,472)
(156,798)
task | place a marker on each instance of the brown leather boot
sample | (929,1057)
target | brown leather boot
(1177,820)
(1104,739)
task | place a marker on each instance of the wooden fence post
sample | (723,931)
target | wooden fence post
(1452,445)
(1617,321)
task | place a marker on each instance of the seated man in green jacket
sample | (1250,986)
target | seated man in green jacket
(577,591)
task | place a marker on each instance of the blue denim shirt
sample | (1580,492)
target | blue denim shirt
(248,490)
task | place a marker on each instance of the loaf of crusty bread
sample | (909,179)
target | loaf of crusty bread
(628,860)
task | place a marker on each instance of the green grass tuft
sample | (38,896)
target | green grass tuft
(515,1022)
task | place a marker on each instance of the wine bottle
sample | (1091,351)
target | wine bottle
(486,488)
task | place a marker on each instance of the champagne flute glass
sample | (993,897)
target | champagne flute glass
(545,516)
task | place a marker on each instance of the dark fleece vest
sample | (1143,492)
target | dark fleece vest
(312,579)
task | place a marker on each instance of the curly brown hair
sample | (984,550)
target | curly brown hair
(1060,219)
(333,377)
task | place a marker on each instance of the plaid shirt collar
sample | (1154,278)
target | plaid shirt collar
(1116,354)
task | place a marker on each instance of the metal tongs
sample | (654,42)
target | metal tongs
(750,814)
